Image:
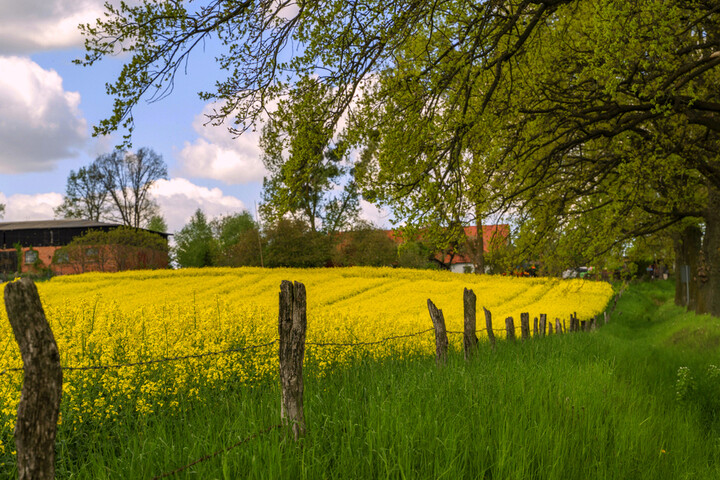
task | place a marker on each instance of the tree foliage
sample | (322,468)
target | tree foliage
(85,195)
(115,187)
(573,116)
(364,245)
(127,178)
(195,245)
(306,165)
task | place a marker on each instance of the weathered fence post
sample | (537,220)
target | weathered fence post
(543,322)
(509,328)
(558,327)
(550,328)
(441,340)
(535,327)
(605,315)
(489,327)
(39,407)
(525,325)
(470,340)
(292,327)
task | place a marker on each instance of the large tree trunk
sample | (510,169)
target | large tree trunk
(708,272)
(687,246)
(479,244)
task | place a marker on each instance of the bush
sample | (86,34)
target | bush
(291,243)
(364,246)
(122,248)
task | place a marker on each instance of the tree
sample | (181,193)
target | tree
(85,195)
(291,243)
(2,210)
(127,178)
(157,223)
(592,129)
(364,245)
(238,240)
(305,165)
(194,243)
(530,103)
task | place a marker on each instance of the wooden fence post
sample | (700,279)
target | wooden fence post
(605,315)
(39,407)
(543,323)
(535,328)
(441,340)
(489,327)
(292,327)
(525,325)
(558,327)
(470,340)
(509,328)
(550,328)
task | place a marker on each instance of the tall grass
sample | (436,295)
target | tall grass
(590,405)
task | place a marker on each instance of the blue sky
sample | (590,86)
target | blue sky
(48,106)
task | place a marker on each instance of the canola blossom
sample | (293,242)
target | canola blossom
(114,329)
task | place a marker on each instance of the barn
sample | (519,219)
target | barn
(37,243)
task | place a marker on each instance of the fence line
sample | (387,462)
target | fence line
(292,342)
(157,360)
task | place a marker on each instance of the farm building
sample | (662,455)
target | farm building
(40,245)
(494,236)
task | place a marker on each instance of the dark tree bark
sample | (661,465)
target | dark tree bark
(479,243)
(708,271)
(39,407)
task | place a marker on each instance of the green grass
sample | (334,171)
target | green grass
(600,405)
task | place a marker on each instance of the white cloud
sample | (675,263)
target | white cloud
(40,122)
(28,26)
(379,217)
(219,156)
(179,199)
(20,207)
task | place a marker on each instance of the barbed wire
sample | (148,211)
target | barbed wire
(234,350)
(374,342)
(157,360)
(215,454)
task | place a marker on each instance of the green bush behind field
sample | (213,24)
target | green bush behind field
(636,399)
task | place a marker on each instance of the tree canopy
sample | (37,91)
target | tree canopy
(591,122)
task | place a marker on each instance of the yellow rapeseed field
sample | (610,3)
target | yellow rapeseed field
(124,318)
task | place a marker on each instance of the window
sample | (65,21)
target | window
(31,256)
(62,257)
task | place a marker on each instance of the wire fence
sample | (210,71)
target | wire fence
(258,347)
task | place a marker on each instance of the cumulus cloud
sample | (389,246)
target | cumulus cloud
(34,25)
(20,207)
(219,156)
(179,199)
(40,122)
(379,217)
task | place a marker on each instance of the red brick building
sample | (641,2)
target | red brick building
(38,242)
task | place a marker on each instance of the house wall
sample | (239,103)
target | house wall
(460,267)
(134,258)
